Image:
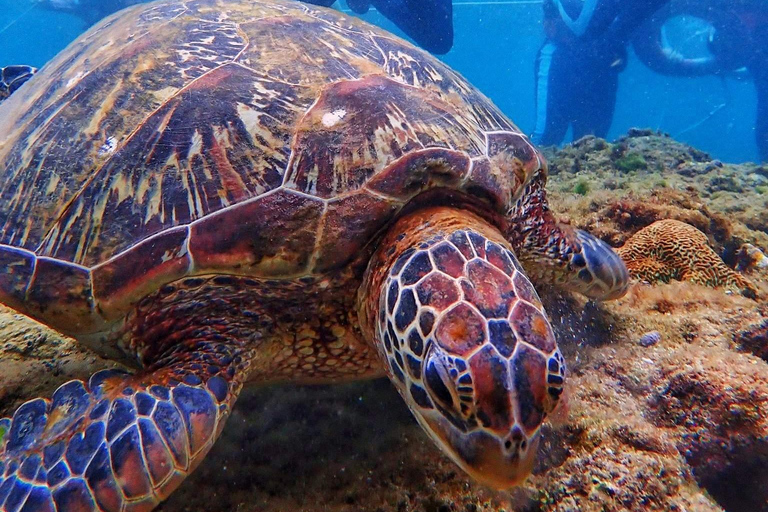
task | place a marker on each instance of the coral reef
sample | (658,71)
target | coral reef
(727,202)
(678,422)
(631,162)
(723,403)
(670,249)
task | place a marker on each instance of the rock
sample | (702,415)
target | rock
(649,339)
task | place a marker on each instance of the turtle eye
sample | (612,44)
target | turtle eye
(435,377)
(442,379)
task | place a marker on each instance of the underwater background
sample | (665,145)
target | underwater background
(495,47)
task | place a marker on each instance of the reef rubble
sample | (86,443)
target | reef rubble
(666,406)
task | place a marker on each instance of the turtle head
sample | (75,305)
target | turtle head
(465,340)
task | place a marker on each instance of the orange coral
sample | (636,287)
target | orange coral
(670,249)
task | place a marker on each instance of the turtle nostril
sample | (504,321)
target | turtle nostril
(507,444)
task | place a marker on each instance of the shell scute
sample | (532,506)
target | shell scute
(162,12)
(419,170)
(61,124)
(319,51)
(18,266)
(62,293)
(206,45)
(349,223)
(258,236)
(202,151)
(163,257)
(355,128)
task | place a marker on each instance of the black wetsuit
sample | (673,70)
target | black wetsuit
(754,44)
(577,68)
(428,22)
(759,70)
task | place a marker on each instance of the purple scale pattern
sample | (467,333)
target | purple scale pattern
(69,453)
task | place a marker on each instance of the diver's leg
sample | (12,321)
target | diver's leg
(552,101)
(598,90)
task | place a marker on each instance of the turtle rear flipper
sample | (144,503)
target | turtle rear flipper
(13,77)
(119,439)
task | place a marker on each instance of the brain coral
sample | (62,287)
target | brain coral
(670,249)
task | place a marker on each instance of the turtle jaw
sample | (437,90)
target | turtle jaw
(500,462)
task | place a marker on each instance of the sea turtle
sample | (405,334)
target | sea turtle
(12,77)
(228,191)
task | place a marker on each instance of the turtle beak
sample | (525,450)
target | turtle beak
(497,461)
(488,443)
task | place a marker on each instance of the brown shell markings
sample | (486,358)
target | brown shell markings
(265,139)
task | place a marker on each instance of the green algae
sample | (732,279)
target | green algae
(581,187)
(631,162)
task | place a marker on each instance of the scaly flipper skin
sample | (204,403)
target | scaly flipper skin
(465,339)
(119,442)
(13,77)
(558,254)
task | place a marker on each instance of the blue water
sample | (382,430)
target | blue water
(495,47)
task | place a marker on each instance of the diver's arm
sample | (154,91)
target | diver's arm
(428,22)
(577,26)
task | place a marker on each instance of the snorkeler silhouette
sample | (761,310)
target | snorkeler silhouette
(577,68)
(428,22)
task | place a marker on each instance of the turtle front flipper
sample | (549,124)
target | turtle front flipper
(118,442)
(559,254)
(13,77)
